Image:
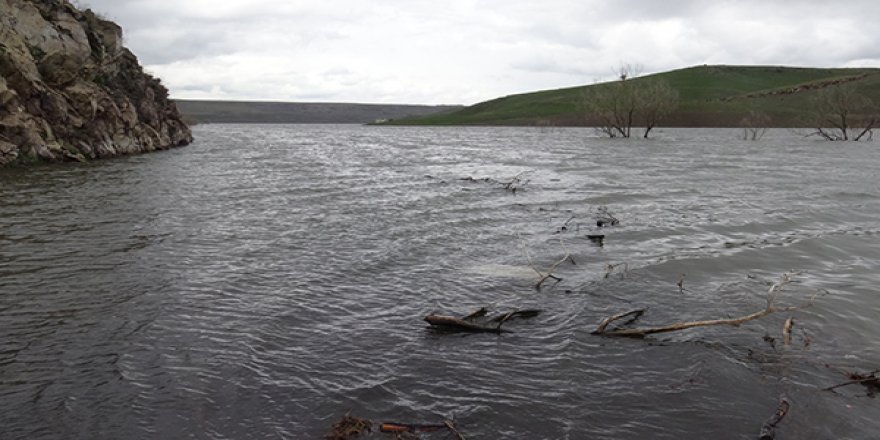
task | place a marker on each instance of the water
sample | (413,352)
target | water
(266,280)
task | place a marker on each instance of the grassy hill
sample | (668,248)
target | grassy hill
(196,111)
(709,96)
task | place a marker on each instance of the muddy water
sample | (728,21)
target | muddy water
(266,280)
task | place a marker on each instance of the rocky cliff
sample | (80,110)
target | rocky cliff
(69,90)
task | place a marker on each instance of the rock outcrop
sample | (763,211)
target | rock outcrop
(69,90)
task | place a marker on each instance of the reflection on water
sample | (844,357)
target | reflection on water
(266,280)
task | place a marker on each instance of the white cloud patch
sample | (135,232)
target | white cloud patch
(464,51)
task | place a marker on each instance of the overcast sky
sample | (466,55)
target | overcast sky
(466,51)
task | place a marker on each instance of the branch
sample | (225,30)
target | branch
(602,325)
(549,273)
(767,430)
(772,295)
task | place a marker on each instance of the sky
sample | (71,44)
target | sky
(467,51)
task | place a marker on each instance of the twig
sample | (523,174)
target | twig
(542,277)
(602,325)
(451,427)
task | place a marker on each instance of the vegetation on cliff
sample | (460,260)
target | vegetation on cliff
(69,90)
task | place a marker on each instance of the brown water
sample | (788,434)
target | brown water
(266,280)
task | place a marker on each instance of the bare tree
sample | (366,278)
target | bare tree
(755,125)
(612,107)
(657,99)
(842,113)
(617,106)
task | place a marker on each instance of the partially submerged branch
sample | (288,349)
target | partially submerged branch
(604,324)
(470,325)
(769,427)
(869,380)
(548,274)
(772,296)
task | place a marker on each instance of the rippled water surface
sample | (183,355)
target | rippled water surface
(266,280)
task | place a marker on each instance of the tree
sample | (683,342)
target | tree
(657,99)
(615,107)
(755,125)
(841,113)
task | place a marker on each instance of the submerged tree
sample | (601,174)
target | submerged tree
(755,125)
(841,113)
(658,99)
(617,106)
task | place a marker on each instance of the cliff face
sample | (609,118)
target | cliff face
(69,90)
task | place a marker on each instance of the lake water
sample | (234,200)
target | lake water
(266,280)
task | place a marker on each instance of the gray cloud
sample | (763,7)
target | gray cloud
(461,51)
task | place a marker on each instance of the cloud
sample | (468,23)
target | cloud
(463,51)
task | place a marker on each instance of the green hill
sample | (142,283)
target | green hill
(708,96)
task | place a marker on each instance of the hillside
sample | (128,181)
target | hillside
(710,96)
(302,113)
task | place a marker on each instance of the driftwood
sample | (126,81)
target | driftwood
(772,295)
(768,430)
(467,323)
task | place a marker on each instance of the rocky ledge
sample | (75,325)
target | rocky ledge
(69,90)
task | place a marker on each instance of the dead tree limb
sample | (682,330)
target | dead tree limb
(772,296)
(769,427)
(602,325)
(451,427)
(542,276)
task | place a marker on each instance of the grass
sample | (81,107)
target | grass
(709,96)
